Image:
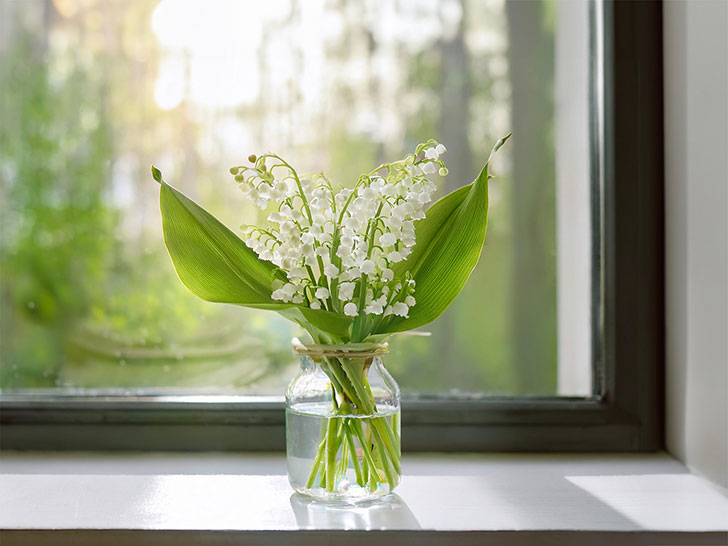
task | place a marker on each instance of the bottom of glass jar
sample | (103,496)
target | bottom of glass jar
(353,494)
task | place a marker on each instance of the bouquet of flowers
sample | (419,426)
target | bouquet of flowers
(351,266)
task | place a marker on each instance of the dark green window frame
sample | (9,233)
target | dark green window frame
(627,300)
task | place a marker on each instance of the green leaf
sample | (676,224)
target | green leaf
(325,322)
(156,174)
(209,258)
(449,242)
(217,266)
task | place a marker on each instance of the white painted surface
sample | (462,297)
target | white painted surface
(696,230)
(653,501)
(414,464)
(573,219)
(482,492)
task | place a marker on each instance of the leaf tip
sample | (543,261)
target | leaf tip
(156,174)
(497,147)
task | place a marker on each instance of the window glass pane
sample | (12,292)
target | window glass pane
(96,90)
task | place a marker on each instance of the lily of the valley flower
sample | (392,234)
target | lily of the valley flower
(338,248)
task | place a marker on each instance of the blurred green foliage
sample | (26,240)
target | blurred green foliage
(88,296)
(57,230)
(79,303)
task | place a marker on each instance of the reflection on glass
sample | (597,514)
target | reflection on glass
(390,512)
(97,91)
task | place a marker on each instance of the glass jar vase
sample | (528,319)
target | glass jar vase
(343,423)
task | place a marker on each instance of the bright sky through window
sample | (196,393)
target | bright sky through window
(212,50)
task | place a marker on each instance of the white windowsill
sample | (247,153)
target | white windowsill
(245,494)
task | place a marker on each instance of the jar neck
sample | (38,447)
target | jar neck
(353,352)
(356,361)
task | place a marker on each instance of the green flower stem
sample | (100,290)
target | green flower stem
(362,318)
(386,437)
(334,303)
(311,275)
(332,448)
(317,462)
(366,401)
(395,427)
(370,445)
(359,323)
(346,205)
(338,378)
(364,463)
(343,463)
(385,464)
(368,437)
(387,166)
(354,458)
(298,184)
(390,440)
(359,431)
(364,395)
(380,457)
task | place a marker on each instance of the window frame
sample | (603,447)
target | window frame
(627,299)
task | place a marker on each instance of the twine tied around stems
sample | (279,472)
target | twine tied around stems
(357,351)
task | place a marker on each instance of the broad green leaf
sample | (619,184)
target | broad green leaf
(217,266)
(449,243)
(320,319)
(429,228)
(209,258)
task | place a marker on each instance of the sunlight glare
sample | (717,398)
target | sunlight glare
(170,86)
(218,42)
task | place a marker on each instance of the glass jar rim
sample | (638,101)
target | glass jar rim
(355,350)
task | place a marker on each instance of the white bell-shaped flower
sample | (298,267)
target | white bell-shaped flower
(352,237)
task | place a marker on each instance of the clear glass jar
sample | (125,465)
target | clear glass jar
(343,423)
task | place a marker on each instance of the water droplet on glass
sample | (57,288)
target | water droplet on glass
(31,305)
(166,368)
(122,362)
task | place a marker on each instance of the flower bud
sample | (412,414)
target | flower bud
(443,171)
(234,170)
(252,158)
